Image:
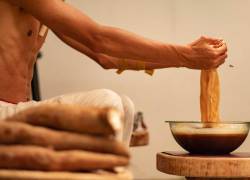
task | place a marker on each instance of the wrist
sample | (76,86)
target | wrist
(182,51)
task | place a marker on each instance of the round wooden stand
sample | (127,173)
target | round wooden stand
(199,167)
(39,175)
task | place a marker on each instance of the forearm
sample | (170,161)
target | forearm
(120,43)
(115,42)
(109,62)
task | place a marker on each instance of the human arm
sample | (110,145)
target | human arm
(109,62)
(116,42)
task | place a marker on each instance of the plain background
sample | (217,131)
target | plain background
(171,94)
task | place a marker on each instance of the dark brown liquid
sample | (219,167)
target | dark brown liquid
(210,143)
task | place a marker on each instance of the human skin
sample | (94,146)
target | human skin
(20,21)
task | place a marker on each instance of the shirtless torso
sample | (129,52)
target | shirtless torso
(19,45)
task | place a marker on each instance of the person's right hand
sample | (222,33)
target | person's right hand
(205,53)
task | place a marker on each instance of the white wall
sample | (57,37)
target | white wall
(171,94)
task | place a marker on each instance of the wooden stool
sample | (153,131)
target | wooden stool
(202,167)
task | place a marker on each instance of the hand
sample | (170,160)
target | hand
(205,53)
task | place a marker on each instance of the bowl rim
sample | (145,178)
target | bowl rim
(199,122)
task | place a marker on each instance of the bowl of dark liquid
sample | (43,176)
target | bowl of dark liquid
(209,138)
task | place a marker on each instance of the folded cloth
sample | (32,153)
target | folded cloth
(98,98)
(140,65)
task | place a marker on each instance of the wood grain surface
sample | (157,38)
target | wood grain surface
(196,166)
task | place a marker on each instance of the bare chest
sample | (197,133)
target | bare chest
(19,30)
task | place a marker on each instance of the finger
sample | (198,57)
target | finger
(219,44)
(213,41)
(220,60)
(221,50)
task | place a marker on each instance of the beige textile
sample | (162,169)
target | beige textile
(98,98)
(210,96)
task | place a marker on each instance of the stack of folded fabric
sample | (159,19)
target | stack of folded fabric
(59,137)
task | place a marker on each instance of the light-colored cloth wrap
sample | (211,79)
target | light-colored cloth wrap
(98,98)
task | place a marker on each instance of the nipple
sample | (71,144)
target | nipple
(29,33)
(21,9)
